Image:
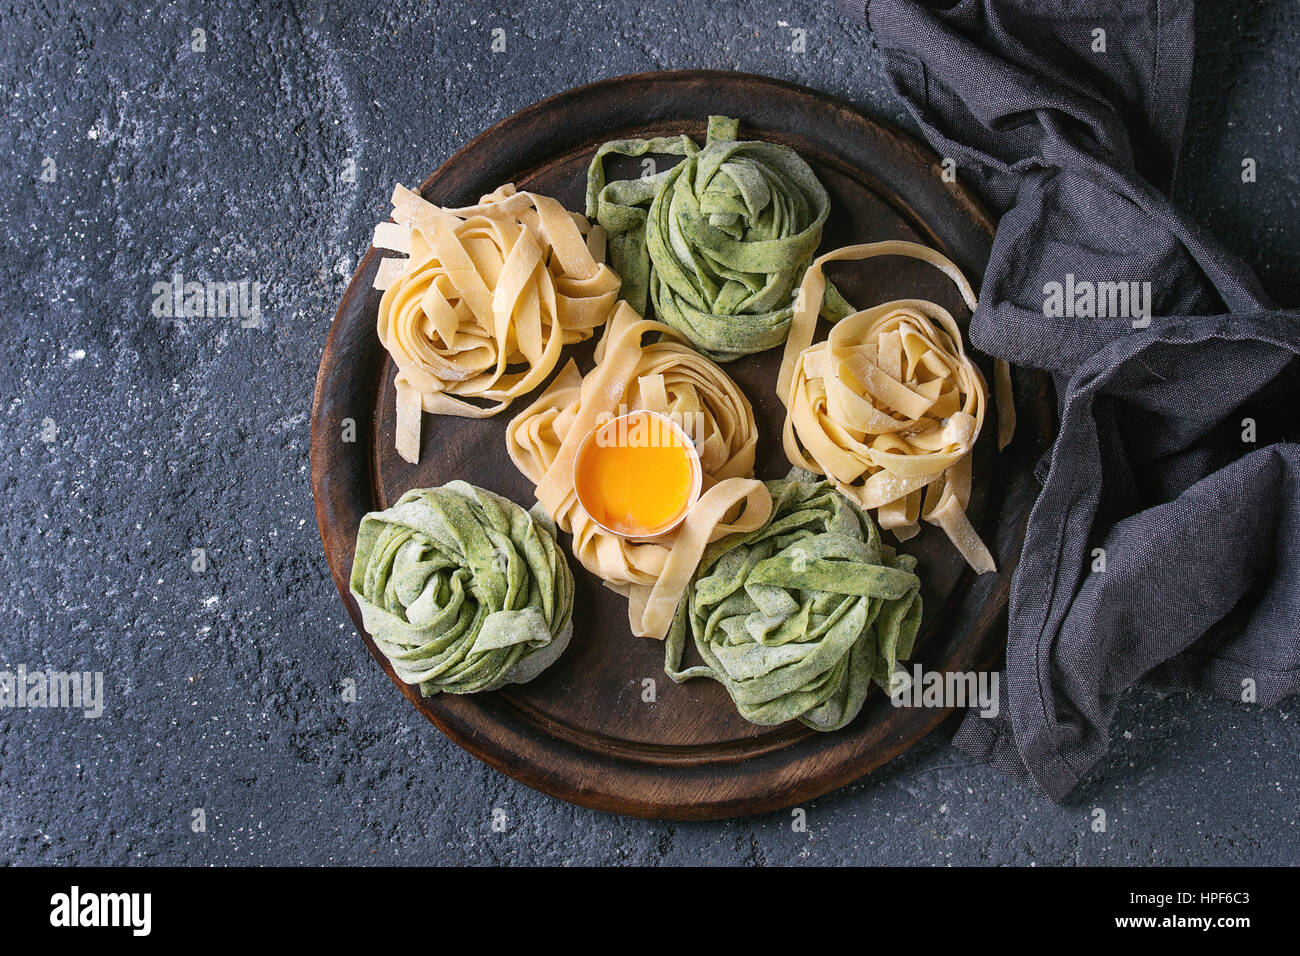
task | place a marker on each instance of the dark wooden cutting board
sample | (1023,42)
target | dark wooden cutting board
(583,731)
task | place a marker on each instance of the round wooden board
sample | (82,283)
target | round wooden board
(583,731)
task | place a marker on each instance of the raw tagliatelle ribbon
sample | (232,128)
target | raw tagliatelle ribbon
(462,589)
(670,378)
(889,407)
(478,312)
(717,242)
(797,618)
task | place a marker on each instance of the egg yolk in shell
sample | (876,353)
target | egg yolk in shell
(635,475)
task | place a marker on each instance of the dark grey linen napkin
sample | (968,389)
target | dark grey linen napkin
(1177,458)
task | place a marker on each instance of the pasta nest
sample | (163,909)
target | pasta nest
(478,313)
(672,379)
(798,618)
(462,590)
(889,407)
(719,241)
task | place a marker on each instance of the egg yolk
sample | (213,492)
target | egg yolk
(635,475)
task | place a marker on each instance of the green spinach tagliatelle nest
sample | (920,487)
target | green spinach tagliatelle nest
(798,618)
(463,590)
(719,242)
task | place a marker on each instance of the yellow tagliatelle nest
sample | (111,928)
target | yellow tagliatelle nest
(889,407)
(478,312)
(671,378)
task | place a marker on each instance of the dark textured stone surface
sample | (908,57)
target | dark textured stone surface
(223,688)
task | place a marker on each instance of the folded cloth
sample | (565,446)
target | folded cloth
(1164,547)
